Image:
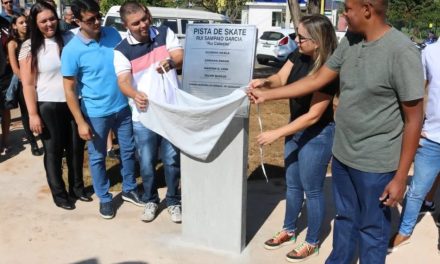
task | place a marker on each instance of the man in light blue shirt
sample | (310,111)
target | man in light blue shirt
(87,65)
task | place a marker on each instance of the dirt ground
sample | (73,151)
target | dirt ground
(273,115)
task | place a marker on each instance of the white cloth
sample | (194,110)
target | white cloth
(192,124)
(431,68)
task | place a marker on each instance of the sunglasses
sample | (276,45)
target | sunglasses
(92,20)
(302,39)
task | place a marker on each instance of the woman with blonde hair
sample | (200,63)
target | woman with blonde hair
(308,136)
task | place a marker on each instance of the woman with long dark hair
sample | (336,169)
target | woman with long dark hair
(18,33)
(49,115)
(308,136)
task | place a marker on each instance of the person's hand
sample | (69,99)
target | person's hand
(84,131)
(141,100)
(256,96)
(167,64)
(258,83)
(394,191)
(35,123)
(267,137)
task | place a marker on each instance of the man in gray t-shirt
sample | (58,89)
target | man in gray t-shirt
(378,124)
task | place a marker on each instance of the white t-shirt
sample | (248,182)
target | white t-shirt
(431,69)
(49,84)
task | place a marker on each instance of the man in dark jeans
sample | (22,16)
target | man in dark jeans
(378,124)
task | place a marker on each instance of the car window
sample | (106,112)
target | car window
(115,22)
(171,23)
(183,23)
(221,22)
(292,36)
(201,22)
(271,35)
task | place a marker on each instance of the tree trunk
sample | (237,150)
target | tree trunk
(295,12)
(313,6)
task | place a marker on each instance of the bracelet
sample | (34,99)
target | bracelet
(171,63)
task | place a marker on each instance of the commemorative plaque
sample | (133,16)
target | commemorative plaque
(218,59)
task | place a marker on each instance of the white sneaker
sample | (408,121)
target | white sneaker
(175,212)
(150,210)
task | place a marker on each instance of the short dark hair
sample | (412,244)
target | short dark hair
(79,6)
(380,6)
(131,7)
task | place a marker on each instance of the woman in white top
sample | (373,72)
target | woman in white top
(49,115)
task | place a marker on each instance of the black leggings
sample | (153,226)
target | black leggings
(60,133)
(25,116)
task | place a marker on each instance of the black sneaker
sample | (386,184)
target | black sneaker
(427,209)
(106,210)
(132,197)
(66,205)
(111,154)
(36,151)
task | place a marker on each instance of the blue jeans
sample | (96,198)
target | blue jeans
(426,168)
(306,157)
(121,125)
(361,219)
(148,144)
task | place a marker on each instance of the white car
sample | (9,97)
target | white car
(175,18)
(340,35)
(275,45)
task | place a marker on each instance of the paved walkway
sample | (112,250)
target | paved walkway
(34,230)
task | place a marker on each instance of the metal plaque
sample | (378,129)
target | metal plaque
(218,59)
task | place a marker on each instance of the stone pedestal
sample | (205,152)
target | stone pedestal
(214,192)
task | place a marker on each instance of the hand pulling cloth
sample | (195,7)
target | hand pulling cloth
(191,124)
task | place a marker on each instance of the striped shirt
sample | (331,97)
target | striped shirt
(142,59)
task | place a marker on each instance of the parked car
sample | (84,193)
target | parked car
(275,45)
(340,35)
(175,18)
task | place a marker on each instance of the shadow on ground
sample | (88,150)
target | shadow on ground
(95,261)
(264,71)
(16,144)
(263,197)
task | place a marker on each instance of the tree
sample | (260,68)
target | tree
(415,15)
(295,12)
(106,4)
(313,7)
(408,10)
(231,8)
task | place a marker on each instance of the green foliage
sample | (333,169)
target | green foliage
(415,16)
(106,4)
(231,8)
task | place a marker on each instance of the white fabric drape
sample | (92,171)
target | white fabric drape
(191,124)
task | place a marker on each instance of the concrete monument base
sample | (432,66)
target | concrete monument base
(214,192)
